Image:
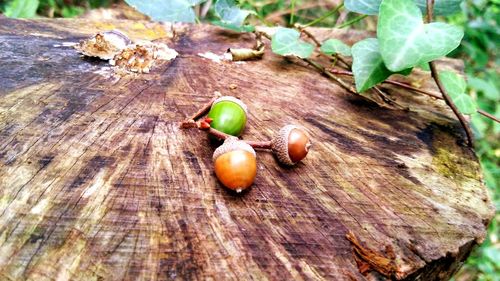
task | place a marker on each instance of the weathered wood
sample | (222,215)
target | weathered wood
(98,182)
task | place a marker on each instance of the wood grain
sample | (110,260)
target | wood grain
(99,183)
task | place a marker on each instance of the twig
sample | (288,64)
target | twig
(318,44)
(202,111)
(486,114)
(415,89)
(447,99)
(330,75)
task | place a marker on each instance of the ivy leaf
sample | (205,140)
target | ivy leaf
(241,28)
(367,7)
(486,86)
(229,12)
(21,8)
(286,42)
(335,46)
(441,7)
(171,10)
(455,86)
(405,41)
(371,7)
(367,65)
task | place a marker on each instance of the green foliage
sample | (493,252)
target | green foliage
(230,13)
(231,16)
(367,66)
(455,86)
(335,46)
(405,41)
(21,8)
(171,10)
(371,7)
(286,42)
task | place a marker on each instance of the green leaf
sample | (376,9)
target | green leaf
(367,7)
(405,41)
(241,28)
(286,42)
(229,12)
(424,66)
(371,7)
(335,46)
(171,10)
(485,86)
(441,7)
(367,65)
(455,87)
(21,8)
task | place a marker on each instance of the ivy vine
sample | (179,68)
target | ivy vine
(405,39)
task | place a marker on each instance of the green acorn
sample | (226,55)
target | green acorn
(229,115)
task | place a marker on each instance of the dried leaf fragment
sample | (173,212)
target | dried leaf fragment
(141,57)
(242,54)
(103,45)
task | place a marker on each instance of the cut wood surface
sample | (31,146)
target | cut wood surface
(99,183)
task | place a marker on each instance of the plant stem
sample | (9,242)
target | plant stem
(447,98)
(323,17)
(354,20)
(202,111)
(330,75)
(292,11)
(486,114)
(318,44)
(411,88)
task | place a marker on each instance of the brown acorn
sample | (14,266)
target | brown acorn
(291,144)
(235,164)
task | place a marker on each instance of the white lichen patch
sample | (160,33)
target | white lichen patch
(216,58)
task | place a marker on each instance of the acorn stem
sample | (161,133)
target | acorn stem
(189,124)
(202,111)
(259,144)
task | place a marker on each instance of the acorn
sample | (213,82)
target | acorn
(229,115)
(235,164)
(291,144)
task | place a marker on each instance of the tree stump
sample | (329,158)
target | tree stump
(99,183)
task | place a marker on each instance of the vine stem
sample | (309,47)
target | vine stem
(415,89)
(323,70)
(318,44)
(447,98)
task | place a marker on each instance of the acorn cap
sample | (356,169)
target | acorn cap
(232,99)
(231,144)
(279,144)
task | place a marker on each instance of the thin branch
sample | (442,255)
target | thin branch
(415,89)
(331,76)
(486,114)
(318,44)
(447,98)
